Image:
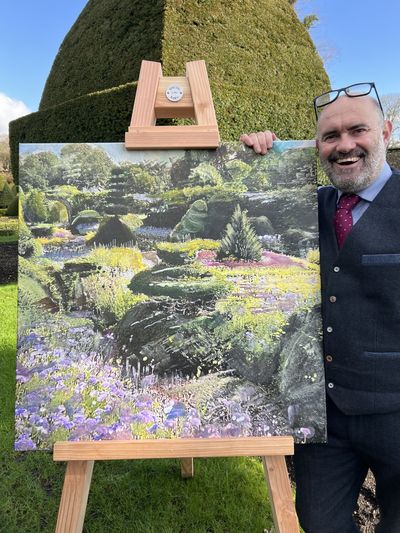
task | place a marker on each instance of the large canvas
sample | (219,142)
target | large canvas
(168,294)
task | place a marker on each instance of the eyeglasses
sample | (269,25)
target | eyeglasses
(357,89)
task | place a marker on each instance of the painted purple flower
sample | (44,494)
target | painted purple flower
(304,433)
(143,400)
(144,417)
(23,374)
(177,410)
(24,443)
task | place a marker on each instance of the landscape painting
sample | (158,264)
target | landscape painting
(168,294)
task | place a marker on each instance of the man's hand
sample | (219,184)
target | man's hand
(261,141)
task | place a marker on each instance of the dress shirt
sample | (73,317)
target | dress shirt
(368,194)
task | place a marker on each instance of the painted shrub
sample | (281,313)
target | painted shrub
(192,310)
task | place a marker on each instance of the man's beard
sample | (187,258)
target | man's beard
(345,180)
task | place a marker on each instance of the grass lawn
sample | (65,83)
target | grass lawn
(225,496)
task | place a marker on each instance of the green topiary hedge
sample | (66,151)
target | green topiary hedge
(262,65)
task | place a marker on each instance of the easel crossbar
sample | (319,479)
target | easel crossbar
(166,448)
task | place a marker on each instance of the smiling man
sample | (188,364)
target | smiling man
(351,139)
(360,272)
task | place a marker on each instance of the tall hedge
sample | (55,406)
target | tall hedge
(262,65)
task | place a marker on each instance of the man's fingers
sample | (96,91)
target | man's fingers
(261,141)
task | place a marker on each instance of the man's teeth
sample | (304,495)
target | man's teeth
(347,160)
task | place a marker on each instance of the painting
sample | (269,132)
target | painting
(168,294)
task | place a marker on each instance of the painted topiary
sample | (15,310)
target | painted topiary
(193,222)
(113,231)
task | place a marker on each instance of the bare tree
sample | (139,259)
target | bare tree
(391,105)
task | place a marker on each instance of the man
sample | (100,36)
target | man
(360,271)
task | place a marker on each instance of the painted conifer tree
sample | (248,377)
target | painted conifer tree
(240,239)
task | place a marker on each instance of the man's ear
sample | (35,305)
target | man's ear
(317,144)
(387,131)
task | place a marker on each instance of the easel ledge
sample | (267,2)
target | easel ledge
(167,448)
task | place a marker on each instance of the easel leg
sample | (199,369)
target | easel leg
(280,493)
(187,467)
(74,497)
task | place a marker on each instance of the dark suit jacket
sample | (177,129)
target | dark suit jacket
(361,304)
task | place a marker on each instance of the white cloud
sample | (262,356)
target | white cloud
(10,110)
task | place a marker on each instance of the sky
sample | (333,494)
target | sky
(358,40)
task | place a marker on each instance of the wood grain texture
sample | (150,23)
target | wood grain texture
(280,494)
(151,103)
(164,108)
(196,72)
(172,448)
(71,513)
(187,467)
(143,109)
(172,137)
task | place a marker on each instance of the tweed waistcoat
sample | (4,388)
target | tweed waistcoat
(361,304)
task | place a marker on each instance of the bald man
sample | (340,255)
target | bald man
(360,273)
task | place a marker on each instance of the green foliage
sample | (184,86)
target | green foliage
(8,229)
(313,256)
(205,174)
(137,179)
(309,21)
(12,209)
(97,117)
(6,195)
(94,54)
(262,65)
(37,171)
(107,293)
(112,232)
(116,257)
(4,153)
(87,215)
(179,282)
(36,287)
(240,239)
(32,482)
(189,194)
(238,170)
(27,245)
(132,221)
(58,212)
(180,253)
(30,291)
(192,223)
(196,348)
(84,166)
(35,209)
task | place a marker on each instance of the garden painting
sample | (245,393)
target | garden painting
(168,294)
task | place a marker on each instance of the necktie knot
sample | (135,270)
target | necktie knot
(348,201)
(343,218)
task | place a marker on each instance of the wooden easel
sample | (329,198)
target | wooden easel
(191,98)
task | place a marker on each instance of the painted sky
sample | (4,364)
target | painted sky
(358,40)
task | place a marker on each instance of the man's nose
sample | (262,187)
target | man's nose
(345,143)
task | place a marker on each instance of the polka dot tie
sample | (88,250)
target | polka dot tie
(343,219)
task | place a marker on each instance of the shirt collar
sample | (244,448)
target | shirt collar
(369,193)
